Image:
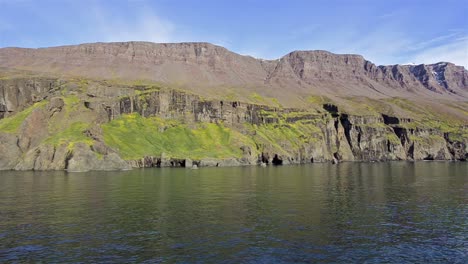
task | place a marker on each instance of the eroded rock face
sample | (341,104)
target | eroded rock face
(206,68)
(197,65)
(79,158)
(9,151)
(343,137)
(458,149)
(368,140)
(84,159)
(45,157)
(55,105)
(146,162)
(19,93)
(33,130)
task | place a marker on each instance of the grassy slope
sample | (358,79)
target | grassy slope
(62,131)
(12,124)
(70,136)
(135,137)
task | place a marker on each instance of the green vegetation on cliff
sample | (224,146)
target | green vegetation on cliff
(70,136)
(284,138)
(70,121)
(13,123)
(134,137)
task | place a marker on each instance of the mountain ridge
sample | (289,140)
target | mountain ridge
(219,46)
(198,65)
(111,106)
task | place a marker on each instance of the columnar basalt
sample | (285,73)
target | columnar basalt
(122,105)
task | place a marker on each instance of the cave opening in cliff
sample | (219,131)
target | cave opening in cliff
(429,157)
(277,161)
(178,163)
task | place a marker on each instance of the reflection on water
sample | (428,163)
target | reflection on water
(375,212)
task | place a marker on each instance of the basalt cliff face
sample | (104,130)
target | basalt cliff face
(110,106)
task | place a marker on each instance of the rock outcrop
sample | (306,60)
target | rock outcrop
(208,69)
(348,109)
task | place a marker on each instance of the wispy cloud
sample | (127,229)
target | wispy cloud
(143,23)
(384,37)
(382,44)
(433,41)
(146,26)
(455,52)
(390,43)
(389,15)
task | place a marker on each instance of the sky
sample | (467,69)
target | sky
(384,32)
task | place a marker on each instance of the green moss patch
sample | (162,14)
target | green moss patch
(256,98)
(456,131)
(284,137)
(70,136)
(71,103)
(12,124)
(393,138)
(317,99)
(427,141)
(135,137)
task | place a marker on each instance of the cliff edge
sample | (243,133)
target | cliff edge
(137,104)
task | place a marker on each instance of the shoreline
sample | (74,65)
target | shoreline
(241,165)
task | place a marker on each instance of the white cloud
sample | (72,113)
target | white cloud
(387,43)
(390,15)
(146,26)
(434,41)
(455,52)
(381,46)
(142,23)
(390,44)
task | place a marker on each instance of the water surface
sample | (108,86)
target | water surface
(397,212)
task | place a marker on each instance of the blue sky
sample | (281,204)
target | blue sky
(385,32)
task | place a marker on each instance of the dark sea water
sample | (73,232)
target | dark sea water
(348,213)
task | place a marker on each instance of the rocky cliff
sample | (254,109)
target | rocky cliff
(209,70)
(109,106)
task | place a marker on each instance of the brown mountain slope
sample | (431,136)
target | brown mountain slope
(116,105)
(211,70)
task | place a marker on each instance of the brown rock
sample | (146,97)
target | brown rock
(10,153)
(33,130)
(205,69)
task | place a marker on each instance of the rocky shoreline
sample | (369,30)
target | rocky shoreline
(277,136)
(80,108)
